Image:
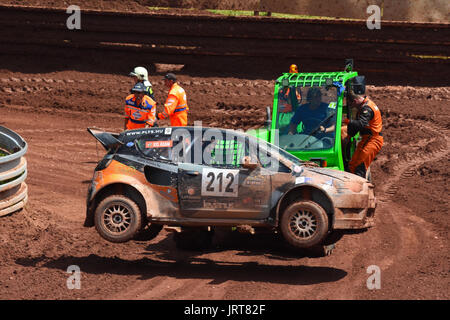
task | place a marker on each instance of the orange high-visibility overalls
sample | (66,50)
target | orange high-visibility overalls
(176,107)
(140,115)
(371,139)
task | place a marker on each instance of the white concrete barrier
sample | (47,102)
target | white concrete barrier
(13,172)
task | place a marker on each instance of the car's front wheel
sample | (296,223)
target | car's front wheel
(304,224)
(118,218)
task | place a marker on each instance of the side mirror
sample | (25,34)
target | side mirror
(248,163)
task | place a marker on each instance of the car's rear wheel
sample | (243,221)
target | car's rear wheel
(304,224)
(118,218)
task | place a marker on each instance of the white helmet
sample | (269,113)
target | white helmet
(140,72)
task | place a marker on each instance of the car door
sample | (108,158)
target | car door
(221,189)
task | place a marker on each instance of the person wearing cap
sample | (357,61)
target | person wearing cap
(140,109)
(175,108)
(141,75)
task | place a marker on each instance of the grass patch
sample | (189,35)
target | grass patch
(274,15)
(429,57)
(247,13)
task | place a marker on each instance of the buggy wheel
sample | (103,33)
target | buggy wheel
(118,218)
(304,224)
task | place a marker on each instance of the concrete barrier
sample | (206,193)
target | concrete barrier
(13,172)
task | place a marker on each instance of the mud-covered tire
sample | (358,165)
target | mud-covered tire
(304,224)
(149,232)
(194,239)
(118,218)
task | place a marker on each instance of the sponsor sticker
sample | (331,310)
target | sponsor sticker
(158,144)
(300,180)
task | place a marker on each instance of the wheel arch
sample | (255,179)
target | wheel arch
(116,188)
(307,192)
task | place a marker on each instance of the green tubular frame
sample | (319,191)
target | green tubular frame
(333,155)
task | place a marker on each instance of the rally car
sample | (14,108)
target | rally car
(196,178)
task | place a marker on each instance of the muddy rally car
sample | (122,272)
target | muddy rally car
(194,179)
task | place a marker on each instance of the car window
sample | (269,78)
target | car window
(223,152)
(156,147)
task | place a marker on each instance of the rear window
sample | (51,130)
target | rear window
(156,147)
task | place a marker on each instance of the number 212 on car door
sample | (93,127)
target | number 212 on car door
(220,182)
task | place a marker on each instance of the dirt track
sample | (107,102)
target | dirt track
(52,111)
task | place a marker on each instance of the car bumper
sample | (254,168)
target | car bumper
(359,214)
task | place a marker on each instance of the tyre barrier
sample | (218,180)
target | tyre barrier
(13,172)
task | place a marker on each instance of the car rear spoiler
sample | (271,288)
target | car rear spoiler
(107,139)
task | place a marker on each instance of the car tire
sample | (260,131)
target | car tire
(304,224)
(118,218)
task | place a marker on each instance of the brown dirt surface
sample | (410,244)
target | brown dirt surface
(51,109)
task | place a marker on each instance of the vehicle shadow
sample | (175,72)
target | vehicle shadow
(269,260)
(269,245)
(191,268)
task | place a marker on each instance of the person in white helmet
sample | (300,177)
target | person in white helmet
(141,75)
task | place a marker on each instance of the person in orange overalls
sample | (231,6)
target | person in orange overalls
(175,108)
(140,109)
(369,124)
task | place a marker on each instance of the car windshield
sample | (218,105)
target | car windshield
(272,150)
(306,117)
(155,147)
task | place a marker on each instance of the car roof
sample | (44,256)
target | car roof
(129,135)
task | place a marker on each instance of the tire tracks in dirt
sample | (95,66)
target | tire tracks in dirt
(403,236)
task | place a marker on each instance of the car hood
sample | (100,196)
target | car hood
(340,175)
